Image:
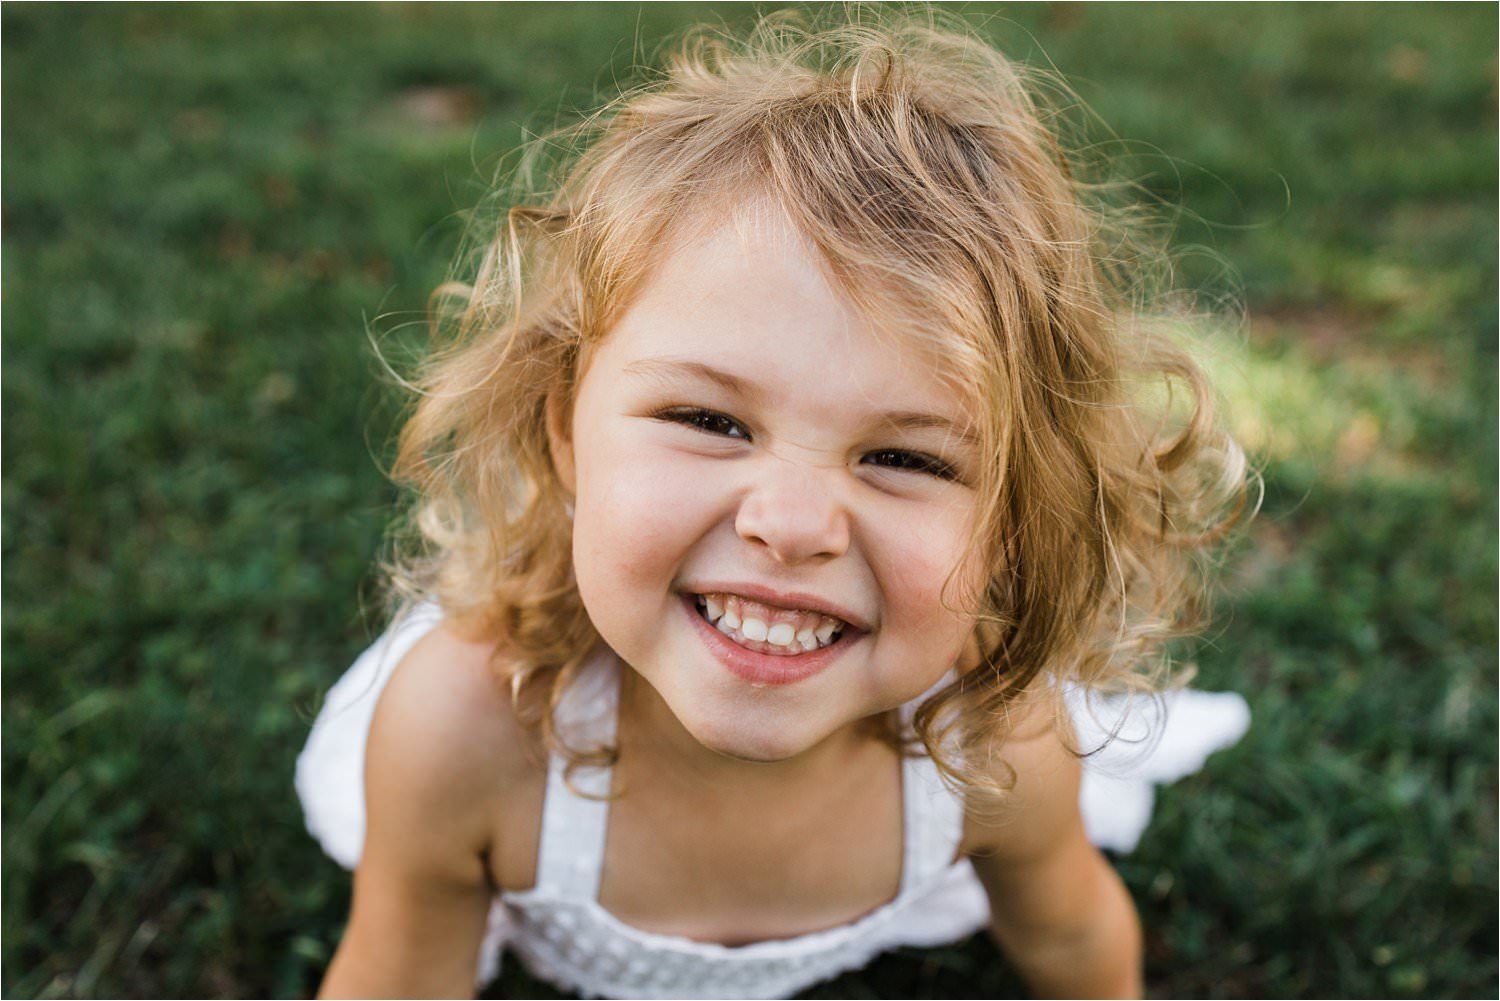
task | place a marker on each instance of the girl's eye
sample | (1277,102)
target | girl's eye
(714,423)
(914,461)
(704,420)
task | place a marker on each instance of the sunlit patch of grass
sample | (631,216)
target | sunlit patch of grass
(1340,409)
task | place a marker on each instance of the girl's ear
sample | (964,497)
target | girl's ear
(560,439)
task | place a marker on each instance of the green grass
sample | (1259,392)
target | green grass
(204,205)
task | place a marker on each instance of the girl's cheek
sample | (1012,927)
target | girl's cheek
(649,499)
(918,561)
(658,499)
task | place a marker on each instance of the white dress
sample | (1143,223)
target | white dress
(561,933)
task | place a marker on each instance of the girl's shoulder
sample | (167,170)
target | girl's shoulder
(1041,775)
(448,753)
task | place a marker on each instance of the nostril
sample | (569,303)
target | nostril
(794,525)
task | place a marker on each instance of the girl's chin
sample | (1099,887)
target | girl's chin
(723,715)
(749,749)
(744,734)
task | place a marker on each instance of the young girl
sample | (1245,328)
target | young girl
(791,485)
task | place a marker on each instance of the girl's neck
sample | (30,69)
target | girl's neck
(649,729)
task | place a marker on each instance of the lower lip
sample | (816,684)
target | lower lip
(763,668)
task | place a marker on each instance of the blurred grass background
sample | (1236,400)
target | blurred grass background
(202,207)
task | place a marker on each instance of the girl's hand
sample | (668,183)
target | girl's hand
(421,892)
(1058,909)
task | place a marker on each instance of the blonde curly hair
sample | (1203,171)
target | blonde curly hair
(925,168)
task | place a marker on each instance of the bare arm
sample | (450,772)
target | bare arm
(1058,909)
(421,892)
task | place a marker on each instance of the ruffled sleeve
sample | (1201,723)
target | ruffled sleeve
(1139,743)
(330,777)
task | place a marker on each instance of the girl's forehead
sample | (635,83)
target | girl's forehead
(750,258)
(749,302)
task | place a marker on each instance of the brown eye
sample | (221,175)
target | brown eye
(706,421)
(916,461)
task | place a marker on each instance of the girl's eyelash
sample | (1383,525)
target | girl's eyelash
(921,463)
(710,422)
(704,420)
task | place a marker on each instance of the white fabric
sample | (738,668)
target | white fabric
(564,936)
(1137,743)
(330,777)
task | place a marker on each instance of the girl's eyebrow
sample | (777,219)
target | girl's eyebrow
(667,369)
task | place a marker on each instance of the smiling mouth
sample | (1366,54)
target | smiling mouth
(805,633)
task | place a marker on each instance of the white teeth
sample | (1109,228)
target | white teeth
(781,634)
(784,635)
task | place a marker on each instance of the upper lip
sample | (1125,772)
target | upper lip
(785,599)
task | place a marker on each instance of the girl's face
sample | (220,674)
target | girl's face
(742,430)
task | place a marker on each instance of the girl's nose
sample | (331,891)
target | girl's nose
(794,515)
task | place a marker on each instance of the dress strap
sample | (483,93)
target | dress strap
(570,854)
(933,813)
(934,818)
